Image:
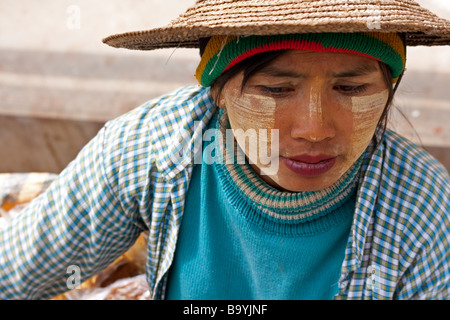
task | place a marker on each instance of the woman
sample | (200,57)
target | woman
(274,179)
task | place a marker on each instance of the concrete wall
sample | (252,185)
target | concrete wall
(59,83)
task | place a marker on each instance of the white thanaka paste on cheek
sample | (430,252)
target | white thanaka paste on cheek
(359,116)
(252,111)
(367,111)
(252,119)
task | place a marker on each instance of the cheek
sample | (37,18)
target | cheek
(366,112)
(252,119)
(249,111)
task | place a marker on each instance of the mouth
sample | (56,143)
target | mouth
(308,165)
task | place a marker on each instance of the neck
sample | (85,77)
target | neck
(284,205)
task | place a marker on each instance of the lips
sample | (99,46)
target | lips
(308,165)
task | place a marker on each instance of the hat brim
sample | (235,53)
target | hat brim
(240,18)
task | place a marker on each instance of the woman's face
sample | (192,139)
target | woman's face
(325,106)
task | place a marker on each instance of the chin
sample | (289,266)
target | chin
(286,181)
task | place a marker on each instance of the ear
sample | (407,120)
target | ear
(221,103)
(218,99)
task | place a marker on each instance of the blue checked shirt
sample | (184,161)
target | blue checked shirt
(133,177)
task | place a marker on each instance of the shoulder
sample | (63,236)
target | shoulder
(409,192)
(409,188)
(161,112)
(415,202)
(414,171)
(145,135)
(149,125)
(415,195)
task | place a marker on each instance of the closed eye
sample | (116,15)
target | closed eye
(351,89)
(275,90)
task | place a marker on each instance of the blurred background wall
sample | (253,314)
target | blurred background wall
(59,83)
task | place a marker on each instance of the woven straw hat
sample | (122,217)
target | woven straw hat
(267,17)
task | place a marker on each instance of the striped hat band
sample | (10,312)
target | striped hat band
(223,52)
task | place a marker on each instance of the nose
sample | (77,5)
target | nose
(312,120)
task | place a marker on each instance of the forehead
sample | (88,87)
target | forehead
(336,64)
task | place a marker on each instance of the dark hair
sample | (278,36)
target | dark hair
(251,65)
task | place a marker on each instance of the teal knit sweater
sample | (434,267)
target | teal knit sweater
(242,239)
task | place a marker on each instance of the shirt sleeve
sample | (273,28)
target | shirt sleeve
(429,277)
(76,228)
(428,274)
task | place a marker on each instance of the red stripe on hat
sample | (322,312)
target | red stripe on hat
(292,44)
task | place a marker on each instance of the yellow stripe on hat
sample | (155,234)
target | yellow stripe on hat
(215,44)
(394,41)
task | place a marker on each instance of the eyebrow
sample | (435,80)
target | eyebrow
(272,71)
(360,70)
